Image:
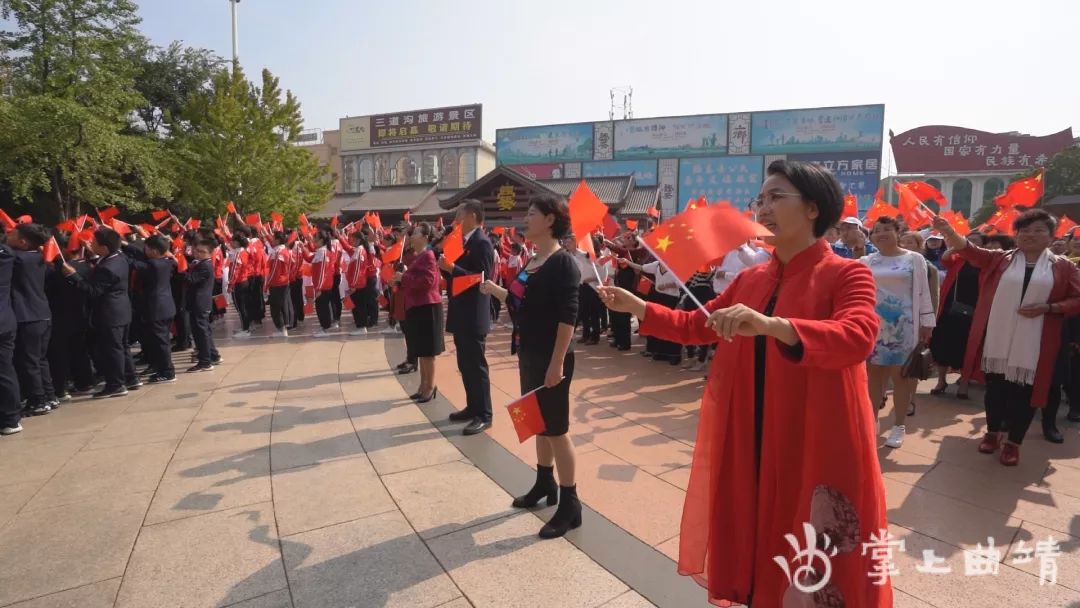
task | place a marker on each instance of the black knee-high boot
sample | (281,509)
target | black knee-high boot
(544,486)
(567,516)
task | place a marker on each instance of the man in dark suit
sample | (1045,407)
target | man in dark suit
(468,318)
(154,271)
(200,289)
(34,318)
(10,411)
(70,327)
(110,313)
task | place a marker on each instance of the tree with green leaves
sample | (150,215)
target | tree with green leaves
(66,139)
(235,142)
(167,77)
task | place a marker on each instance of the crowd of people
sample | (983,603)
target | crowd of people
(835,309)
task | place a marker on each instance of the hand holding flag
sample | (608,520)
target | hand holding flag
(525,414)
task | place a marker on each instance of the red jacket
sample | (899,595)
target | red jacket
(356,275)
(279,273)
(1065,294)
(818,460)
(240,268)
(322,272)
(257,251)
(296,265)
(219,262)
(420,282)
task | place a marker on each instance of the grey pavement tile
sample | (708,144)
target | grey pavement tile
(143,427)
(213,483)
(504,564)
(225,436)
(81,415)
(406,446)
(375,561)
(630,599)
(51,550)
(24,457)
(94,595)
(328,493)
(277,599)
(13,497)
(304,445)
(103,472)
(211,560)
(440,499)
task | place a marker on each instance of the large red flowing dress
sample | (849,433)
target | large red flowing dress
(812,458)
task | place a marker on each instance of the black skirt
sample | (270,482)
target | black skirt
(424,330)
(554,402)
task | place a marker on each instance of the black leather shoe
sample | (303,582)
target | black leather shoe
(462,416)
(567,517)
(426,398)
(1073,416)
(408,369)
(476,426)
(1052,434)
(545,487)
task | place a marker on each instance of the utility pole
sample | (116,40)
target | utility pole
(235,47)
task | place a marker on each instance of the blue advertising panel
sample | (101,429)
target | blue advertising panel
(822,130)
(548,144)
(671,137)
(736,179)
(858,172)
(644,171)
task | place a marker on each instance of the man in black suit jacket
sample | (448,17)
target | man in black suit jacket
(34,317)
(200,289)
(9,386)
(155,271)
(110,312)
(69,357)
(468,317)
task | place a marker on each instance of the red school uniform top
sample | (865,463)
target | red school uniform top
(219,262)
(322,274)
(240,268)
(279,273)
(257,252)
(812,457)
(296,264)
(356,270)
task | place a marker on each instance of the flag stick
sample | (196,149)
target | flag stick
(682,285)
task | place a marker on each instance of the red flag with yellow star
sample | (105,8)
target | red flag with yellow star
(525,414)
(1024,192)
(914,211)
(701,236)
(587,212)
(851,206)
(1064,226)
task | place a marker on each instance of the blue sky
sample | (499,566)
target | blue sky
(994,65)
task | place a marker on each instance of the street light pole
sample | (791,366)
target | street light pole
(235,48)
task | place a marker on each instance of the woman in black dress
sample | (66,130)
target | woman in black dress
(419,287)
(544,301)
(959,295)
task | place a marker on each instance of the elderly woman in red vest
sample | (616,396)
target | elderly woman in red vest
(786,446)
(1016,331)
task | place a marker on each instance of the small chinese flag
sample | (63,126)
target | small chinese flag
(181,263)
(383,302)
(107,214)
(75,242)
(81,221)
(219,301)
(1064,226)
(193,224)
(347,304)
(631,224)
(276,217)
(5,219)
(253,219)
(51,250)
(230,207)
(159,215)
(460,284)
(149,228)
(24,219)
(915,213)
(454,245)
(525,414)
(851,206)
(406,216)
(653,212)
(1024,192)
(309,308)
(121,228)
(587,212)
(292,238)
(611,227)
(386,274)
(880,209)
(956,220)
(1003,219)
(67,226)
(394,253)
(701,236)
(644,285)
(334,221)
(925,192)
(499,230)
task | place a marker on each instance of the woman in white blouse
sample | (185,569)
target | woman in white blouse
(907,318)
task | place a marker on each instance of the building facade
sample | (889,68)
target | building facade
(971,167)
(326,147)
(440,146)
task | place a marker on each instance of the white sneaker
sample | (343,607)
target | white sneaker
(359,331)
(389,330)
(242,334)
(284,333)
(11,430)
(319,333)
(337,324)
(896,436)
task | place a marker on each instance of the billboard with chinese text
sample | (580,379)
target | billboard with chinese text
(644,171)
(735,179)
(855,128)
(858,172)
(548,144)
(547,171)
(941,148)
(435,125)
(671,137)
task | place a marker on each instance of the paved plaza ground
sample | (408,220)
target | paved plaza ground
(300,474)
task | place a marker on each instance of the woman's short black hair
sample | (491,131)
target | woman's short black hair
(817,185)
(1031,216)
(1004,240)
(549,204)
(107,238)
(888,221)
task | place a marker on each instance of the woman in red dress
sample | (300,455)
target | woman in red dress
(787,435)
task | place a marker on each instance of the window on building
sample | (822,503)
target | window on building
(961,196)
(993,187)
(367,174)
(351,183)
(382,172)
(406,170)
(448,176)
(466,169)
(431,168)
